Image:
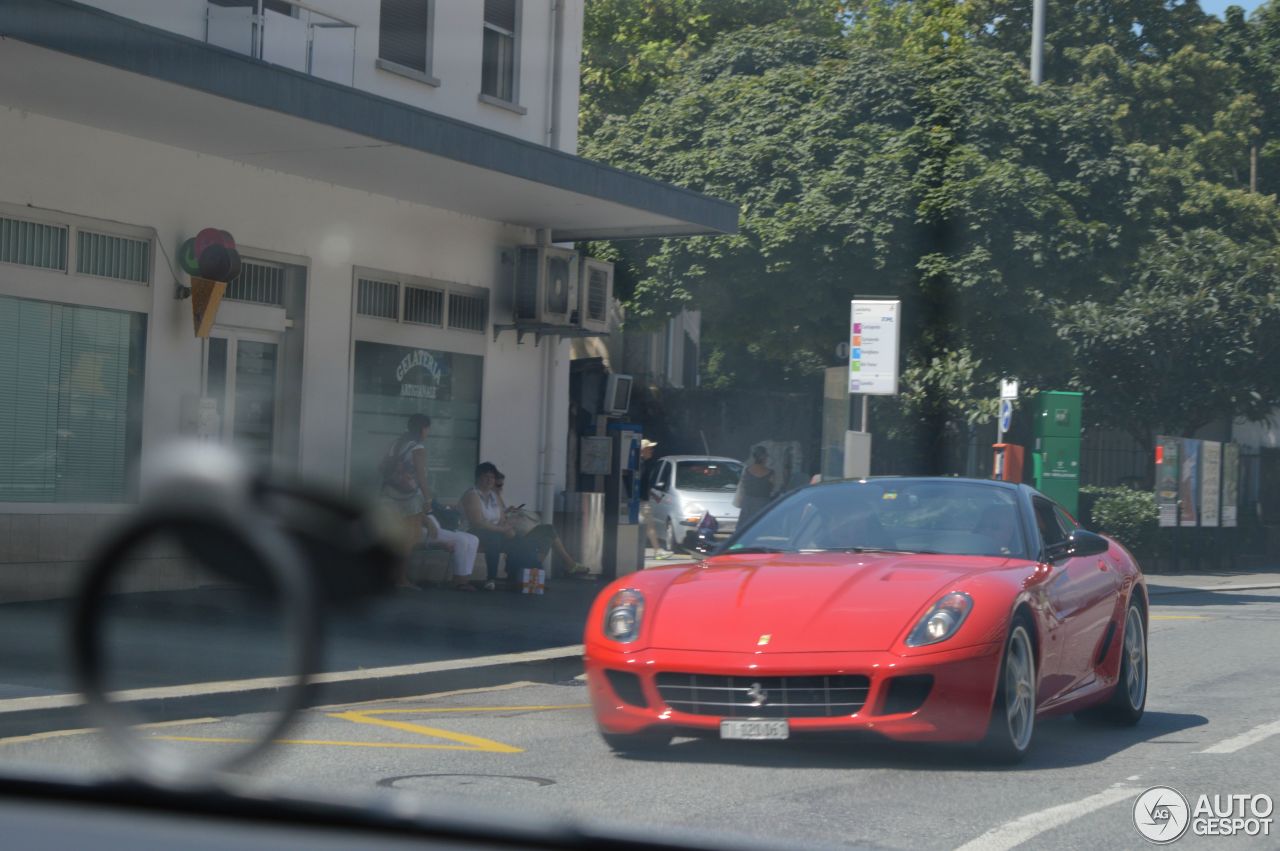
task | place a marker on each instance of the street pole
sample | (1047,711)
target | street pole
(1037,41)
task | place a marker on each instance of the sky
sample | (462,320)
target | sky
(1217,7)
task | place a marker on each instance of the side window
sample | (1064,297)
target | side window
(499,54)
(1068,522)
(1047,521)
(663,481)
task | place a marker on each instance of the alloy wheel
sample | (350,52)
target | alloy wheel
(1019,689)
(1135,650)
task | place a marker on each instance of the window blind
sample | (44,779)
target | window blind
(501,14)
(71,378)
(402,33)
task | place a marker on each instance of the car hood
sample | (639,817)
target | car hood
(803,602)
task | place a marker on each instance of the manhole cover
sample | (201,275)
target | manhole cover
(438,782)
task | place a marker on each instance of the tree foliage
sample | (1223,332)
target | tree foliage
(1053,232)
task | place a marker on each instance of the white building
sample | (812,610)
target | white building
(376,162)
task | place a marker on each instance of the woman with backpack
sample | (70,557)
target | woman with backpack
(405,488)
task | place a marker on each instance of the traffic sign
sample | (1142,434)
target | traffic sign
(1009,388)
(1006,414)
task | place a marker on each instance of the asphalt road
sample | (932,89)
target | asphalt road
(1211,727)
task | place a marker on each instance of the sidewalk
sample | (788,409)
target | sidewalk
(186,659)
(1162,585)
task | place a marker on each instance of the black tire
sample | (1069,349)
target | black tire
(1013,712)
(636,743)
(1128,700)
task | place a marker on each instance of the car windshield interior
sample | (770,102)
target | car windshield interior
(921,517)
(708,475)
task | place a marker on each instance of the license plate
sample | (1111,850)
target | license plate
(749,729)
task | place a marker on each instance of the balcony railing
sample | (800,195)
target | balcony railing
(286,33)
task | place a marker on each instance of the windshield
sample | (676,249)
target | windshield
(708,475)
(536,374)
(950,518)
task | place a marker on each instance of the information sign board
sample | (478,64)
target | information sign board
(873,347)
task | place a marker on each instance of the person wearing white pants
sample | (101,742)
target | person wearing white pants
(462,547)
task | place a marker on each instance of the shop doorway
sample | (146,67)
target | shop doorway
(242,375)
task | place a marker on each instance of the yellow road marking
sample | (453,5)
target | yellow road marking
(1180,617)
(466,742)
(460,741)
(464,709)
(401,745)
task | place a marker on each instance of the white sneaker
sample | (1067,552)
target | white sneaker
(662,554)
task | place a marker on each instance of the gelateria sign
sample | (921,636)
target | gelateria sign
(422,375)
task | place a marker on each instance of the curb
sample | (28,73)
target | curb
(1170,591)
(32,715)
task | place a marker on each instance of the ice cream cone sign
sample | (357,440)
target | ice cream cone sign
(206,295)
(212,260)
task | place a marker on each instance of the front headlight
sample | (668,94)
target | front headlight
(693,513)
(941,621)
(622,616)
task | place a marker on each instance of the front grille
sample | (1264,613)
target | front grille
(764,697)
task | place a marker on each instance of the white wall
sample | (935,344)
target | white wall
(88,172)
(456,59)
(185,17)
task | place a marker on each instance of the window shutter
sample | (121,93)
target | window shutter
(33,244)
(423,306)
(501,14)
(402,33)
(378,298)
(107,256)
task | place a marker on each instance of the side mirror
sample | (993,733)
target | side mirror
(1079,545)
(1082,543)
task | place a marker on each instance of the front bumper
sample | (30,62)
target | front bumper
(956,708)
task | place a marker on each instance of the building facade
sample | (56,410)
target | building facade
(378,163)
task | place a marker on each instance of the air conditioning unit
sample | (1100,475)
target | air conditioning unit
(595,293)
(617,394)
(546,289)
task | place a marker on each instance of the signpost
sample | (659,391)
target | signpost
(1006,419)
(873,347)
(874,335)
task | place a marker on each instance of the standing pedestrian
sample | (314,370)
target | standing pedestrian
(648,470)
(756,487)
(404,486)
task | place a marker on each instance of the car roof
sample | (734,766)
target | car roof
(698,458)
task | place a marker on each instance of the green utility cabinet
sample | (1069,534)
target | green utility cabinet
(1056,459)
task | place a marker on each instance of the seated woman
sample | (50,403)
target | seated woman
(486,519)
(462,547)
(543,535)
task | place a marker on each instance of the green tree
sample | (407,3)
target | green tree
(1194,339)
(629,47)
(946,180)
(1026,229)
